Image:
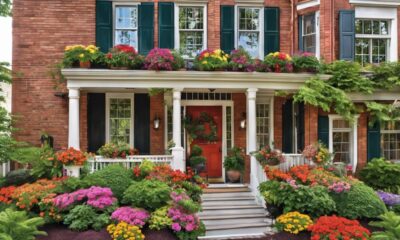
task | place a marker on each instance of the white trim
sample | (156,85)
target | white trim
(317,33)
(383,13)
(308,4)
(122,4)
(120,96)
(261,26)
(354,138)
(176,21)
(375,2)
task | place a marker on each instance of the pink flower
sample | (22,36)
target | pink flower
(132,216)
(176,227)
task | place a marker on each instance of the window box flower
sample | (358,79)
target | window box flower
(160,59)
(123,57)
(269,156)
(279,62)
(80,55)
(211,60)
(111,150)
(306,62)
(241,61)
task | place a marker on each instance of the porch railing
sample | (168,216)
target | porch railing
(5,168)
(99,162)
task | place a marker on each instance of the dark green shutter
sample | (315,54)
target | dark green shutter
(166,25)
(227,28)
(287,127)
(347,34)
(301,47)
(300,126)
(146,27)
(96,121)
(374,141)
(104,25)
(271,30)
(142,123)
(323,130)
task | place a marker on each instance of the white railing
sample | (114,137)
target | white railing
(99,162)
(292,160)
(4,169)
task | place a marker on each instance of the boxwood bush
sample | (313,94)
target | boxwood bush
(113,176)
(382,175)
(147,194)
(360,202)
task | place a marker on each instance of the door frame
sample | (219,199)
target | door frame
(223,104)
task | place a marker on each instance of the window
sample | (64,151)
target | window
(249,35)
(263,123)
(372,41)
(191,30)
(126,25)
(309,33)
(119,120)
(390,140)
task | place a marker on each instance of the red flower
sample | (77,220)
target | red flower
(109,55)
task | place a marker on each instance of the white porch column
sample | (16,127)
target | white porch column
(177,151)
(252,135)
(73,123)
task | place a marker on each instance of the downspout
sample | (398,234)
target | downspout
(292,47)
(333,42)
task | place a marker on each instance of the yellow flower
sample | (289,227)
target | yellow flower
(81,55)
(204,62)
(206,54)
(276,54)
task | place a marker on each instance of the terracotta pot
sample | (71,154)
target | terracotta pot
(234,175)
(84,64)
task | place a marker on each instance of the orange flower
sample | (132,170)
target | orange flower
(71,156)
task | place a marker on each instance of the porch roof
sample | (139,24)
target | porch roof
(105,78)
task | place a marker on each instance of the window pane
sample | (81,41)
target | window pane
(375,27)
(249,41)
(341,147)
(384,27)
(126,18)
(191,43)
(120,120)
(359,26)
(309,43)
(379,50)
(262,113)
(367,27)
(191,18)
(126,37)
(309,24)
(249,18)
(362,51)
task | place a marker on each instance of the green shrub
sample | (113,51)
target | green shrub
(390,223)
(16,225)
(183,235)
(147,194)
(270,191)
(194,191)
(18,177)
(83,217)
(113,176)
(382,175)
(396,209)
(360,202)
(69,185)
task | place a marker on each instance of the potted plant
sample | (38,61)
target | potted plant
(317,153)
(269,156)
(279,62)
(80,55)
(72,160)
(234,164)
(196,160)
(122,150)
(306,62)
(240,60)
(211,60)
(160,59)
(123,57)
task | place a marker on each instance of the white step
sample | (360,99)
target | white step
(243,231)
(233,221)
(217,212)
(226,198)
(228,203)
(233,216)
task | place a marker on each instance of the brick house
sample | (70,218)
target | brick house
(243,104)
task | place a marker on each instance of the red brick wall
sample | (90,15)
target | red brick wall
(41,30)
(157,135)
(310,124)
(362,140)
(278,104)
(83,125)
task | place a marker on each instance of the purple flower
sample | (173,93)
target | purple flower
(389,199)
(132,216)
(176,227)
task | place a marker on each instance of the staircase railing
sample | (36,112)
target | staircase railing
(5,168)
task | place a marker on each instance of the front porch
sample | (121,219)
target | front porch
(241,98)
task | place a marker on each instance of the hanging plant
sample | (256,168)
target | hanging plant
(196,128)
(383,112)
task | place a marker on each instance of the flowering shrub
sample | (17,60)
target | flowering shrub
(339,187)
(111,150)
(240,60)
(159,219)
(333,227)
(306,62)
(389,199)
(317,153)
(269,156)
(71,156)
(211,60)
(124,231)
(79,53)
(279,62)
(47,209)
(6,193)
(124,56)
(132,216)
(163,59)
(96,197)
(165,173)
(293,222)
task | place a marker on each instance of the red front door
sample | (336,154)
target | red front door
(212,151)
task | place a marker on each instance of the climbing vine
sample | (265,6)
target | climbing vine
(383,112)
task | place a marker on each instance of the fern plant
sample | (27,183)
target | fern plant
(16,225)
(390,222)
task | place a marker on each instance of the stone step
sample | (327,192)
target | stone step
(226,198)
(233,216)
(226,190)
(243,230)
(226,195)
(237,226)
(230,211)
(229,203)
(234,221)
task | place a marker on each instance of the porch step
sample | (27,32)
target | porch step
(230,212)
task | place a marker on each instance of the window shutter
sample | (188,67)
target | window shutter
(323,129)
(300,126)
(166,25)
(96,116)
(374,141)
(301,48)
(271,30)
(146,27)
(104,25)
(142,123)
(287,127)
(227,28)
(347,34)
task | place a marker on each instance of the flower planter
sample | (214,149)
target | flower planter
(234,176)
(73,170)
(84,64)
